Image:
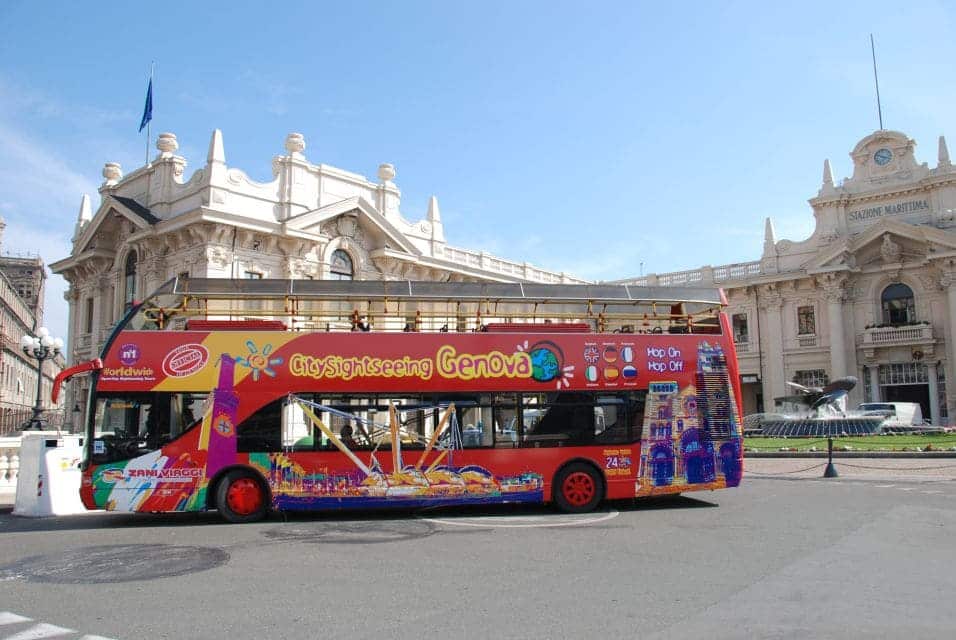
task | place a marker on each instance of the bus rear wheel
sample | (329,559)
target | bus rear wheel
(240,497)
(578,488)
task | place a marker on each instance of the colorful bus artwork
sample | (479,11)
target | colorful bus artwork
(252,396)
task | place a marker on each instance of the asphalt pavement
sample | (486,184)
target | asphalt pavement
(780,557)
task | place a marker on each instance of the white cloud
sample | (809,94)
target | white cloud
(41,191)
(28,170)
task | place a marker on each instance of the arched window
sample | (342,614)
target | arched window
(129,287)
(898,305)
(341,268)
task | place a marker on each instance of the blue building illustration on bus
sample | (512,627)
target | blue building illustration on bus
(691,438)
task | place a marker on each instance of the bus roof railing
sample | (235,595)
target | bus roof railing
(396,290)
(396,304)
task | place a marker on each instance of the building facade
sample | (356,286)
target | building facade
(22,281)
(310,221)
(871,293)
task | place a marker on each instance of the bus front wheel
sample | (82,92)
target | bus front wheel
(240,497)
(578,488)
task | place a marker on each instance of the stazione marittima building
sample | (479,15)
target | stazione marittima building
(871,293)
(308,221)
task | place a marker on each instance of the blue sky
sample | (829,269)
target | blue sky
(595,138)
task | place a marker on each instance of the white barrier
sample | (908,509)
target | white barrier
(49,479)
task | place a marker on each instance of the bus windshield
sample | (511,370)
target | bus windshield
(130,424)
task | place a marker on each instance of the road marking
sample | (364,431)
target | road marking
(931,492)
(906,488)
(885,486)
(42,630)
(492,521)
(11,618)
(39,630)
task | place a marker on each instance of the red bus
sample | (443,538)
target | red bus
(257,395)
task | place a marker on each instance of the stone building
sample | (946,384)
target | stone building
(22,282)
(309,221)
(871,293)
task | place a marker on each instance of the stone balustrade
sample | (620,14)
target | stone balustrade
(488,262)
(703,276)
(905,335)
(807,340)
(9,466)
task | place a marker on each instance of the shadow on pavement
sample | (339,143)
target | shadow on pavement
(663,502)
(103,520)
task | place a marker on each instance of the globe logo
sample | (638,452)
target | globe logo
(545,362)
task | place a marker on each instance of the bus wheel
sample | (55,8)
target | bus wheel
(240,497)
(577,488)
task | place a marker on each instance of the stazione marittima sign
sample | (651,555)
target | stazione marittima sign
(891,209)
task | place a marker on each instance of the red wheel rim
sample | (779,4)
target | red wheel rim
(244,496)
(578,488)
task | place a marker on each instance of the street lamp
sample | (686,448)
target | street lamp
(40,347)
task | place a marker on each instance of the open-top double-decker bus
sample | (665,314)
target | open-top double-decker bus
(251,395)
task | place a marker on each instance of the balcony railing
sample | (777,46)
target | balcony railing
(84,341)
(892,336)
(807,340)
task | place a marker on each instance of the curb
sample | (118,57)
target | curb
(851,454)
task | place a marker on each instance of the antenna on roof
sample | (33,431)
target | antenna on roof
(876,80)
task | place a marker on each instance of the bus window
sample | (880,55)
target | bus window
(623,416)
(130,424)
(614,425)
(505,421)
(185,410)
(262,431)
(475,420)
(555,420)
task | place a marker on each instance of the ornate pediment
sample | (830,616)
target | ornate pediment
(356,219)
(116,218)
(886,244)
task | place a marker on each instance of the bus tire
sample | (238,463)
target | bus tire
(241,497)
(578,488)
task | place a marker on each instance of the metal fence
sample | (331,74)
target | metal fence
(13,420)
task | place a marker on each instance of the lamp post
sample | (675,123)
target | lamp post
(41,347)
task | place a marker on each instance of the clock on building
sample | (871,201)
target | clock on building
(883,156)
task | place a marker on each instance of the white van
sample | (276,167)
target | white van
(899,414)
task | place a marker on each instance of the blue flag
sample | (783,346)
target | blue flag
(148,109)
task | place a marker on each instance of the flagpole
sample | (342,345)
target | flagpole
(876,80)
(150,121)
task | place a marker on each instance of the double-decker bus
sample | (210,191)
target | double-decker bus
(247,396)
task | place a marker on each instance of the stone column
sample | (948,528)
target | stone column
(835,294)
(770,343)
(72,296)
(874,370)
(948,282)
(933,394)
(100,301)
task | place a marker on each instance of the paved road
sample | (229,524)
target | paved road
(781,558)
